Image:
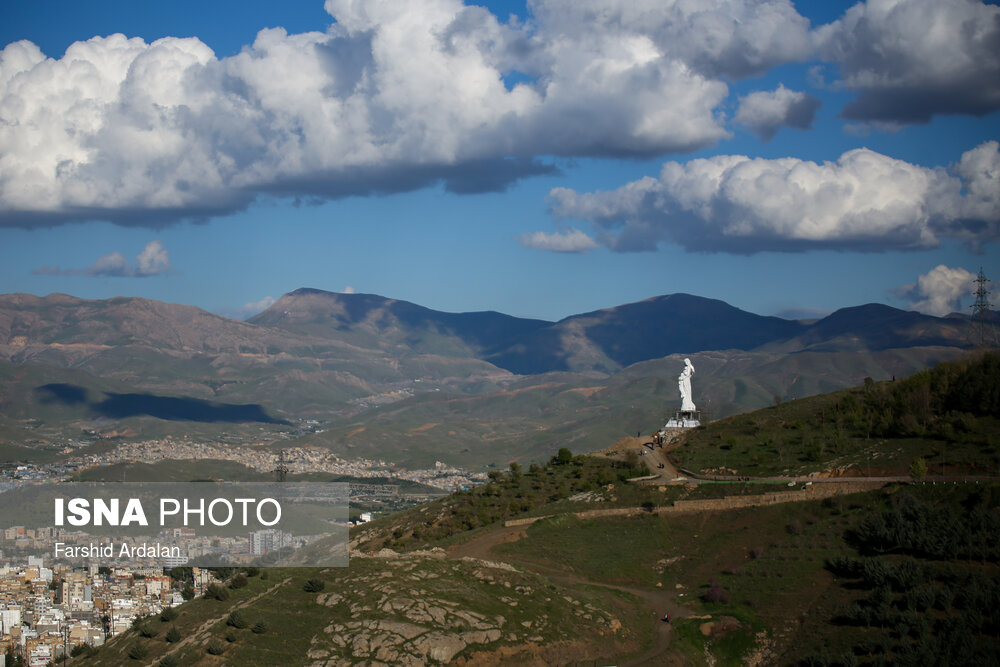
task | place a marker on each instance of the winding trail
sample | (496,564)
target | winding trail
(657,601)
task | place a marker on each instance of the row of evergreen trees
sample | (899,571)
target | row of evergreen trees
(927,564)
(969,530)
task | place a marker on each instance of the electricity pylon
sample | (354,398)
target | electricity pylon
(982,332)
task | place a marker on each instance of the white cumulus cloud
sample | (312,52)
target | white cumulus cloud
(570,241)
(154,260)
(731,38)
(911,59)
(247,310)
(939,291)
(397,95)
(764,112)
(980,173)
(392,96)
(732,203)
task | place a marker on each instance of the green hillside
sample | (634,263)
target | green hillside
(786,583)
(949,416)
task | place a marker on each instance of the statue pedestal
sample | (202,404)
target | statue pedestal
(684,419)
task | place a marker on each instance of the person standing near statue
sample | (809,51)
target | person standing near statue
(684,384)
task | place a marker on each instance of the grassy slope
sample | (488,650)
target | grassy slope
(772,575)
(363,604)
(768,561)
(879,428)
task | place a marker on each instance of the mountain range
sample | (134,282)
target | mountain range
(604,340)
(491,386)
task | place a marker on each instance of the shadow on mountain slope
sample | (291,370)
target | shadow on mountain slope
(60,392)
(121,406)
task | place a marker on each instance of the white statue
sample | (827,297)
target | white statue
(684,384)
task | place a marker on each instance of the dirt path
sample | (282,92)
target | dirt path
(657,601)
(657,456)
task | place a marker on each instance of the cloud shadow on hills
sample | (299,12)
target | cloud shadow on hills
(59,392)
(170,408)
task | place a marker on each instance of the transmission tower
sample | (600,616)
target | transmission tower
(982,332)
(281,472)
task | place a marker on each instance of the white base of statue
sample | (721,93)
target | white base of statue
(684,419)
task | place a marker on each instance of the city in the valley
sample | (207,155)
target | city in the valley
(47,606)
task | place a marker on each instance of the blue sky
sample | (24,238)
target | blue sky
(452,157)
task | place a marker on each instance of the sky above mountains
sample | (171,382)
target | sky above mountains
(540,160)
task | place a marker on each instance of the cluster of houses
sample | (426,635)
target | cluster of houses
(46,611)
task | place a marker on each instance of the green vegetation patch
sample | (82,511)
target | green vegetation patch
(761,569)
(924,574)
(424,607)
(949,415)
(508,495)
(619,550)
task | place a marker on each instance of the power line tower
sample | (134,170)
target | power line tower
(280,475)
(281,472)
(982,333)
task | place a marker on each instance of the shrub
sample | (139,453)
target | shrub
(715,594)
(237,620)
(173,635)
(216,592)
(81,649)
(188,592)
(259,628)
(314,586)
(795,527)
(138,652)
(168,614)
(239,581)
(918,469)
(253,571)
(215,647)
(231,636)
(168,661)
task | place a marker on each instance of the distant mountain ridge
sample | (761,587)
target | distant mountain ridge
(377,322)
(875,326)
(613,338)
(367,326)
(605,340)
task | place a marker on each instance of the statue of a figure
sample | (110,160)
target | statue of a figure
(684,384)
